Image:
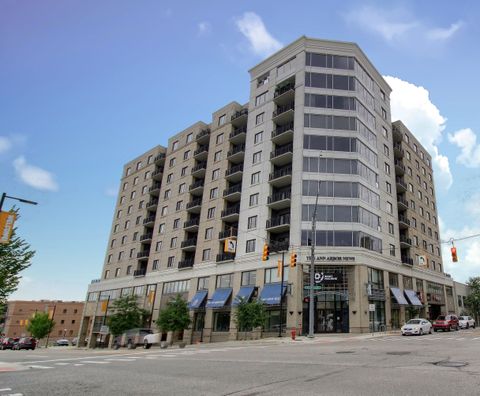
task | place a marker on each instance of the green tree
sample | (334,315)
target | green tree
(15,257)
(250,315)
(175,317)
(40,325)
(126,314)
(473,299)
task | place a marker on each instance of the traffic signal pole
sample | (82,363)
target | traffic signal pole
(312,272)
(281,295)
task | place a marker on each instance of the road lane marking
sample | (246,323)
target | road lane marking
(95,361)
(37,356)
(476,338)
(61,364)
(120,360)
(461,338)
(41,367)
(78,364)
(5,389)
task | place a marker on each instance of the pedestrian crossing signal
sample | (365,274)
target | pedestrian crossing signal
(266,252)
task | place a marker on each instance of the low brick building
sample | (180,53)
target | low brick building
(66,314)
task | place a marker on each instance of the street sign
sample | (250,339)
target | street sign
(104,329)
(312,288)
(371,307)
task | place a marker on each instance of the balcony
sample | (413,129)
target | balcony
(199,169)
(201,153)
(143,255)
(152,204)
(399,168)
(191,225)
(146,238)
(155,189)
(233,194)
(401,185)
(405,242)
(233,232)
(284,114)
(397,135)
(283,134)
(403,222)
(203,136)
(238,135)
(187,263)
(139,272)
(278,223)
(239,118)
(149,221)
(282,156)
(402,203)
(223,257)
(398,150)
(196,188)
(189,244)
(236,154)
(279,200)
(279,245)
(285,94)
(158,174)
(194,206)
(159,159)
(231,214)
(407,260)
(234,174)
(281,177)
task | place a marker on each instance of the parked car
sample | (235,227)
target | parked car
(131,338)
(74,341)
(417,326)
(61,343)
(25,343)
(465,322)
(446,323)
(8,343)
(151,339)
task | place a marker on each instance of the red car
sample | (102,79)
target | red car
(25,343)
(8,343)
(446,323)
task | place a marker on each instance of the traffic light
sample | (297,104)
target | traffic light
(293,260)
(266,252)
(454,254)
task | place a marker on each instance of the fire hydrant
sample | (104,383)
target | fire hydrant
(294,333)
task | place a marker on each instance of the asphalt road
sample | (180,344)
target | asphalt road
(437,364)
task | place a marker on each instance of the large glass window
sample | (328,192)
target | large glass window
(203,283)
(375,278)
(272,276)
(249,278)
(341,213)
(330,61)
(221,321)
(330,101)
(225,280)
(342,238)
(272,322)
(330,81)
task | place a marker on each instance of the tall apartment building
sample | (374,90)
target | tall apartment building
(317,123)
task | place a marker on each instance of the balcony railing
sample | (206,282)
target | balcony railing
(406,240)
(159,171)
(397,148)
(279,245)
(149,219)
(189,242)
(283,109)
(407,260)
(155,186)
(238,131)
(403,219)
(236,149)
(191,223)
(202,133)
(197,184)
(234,169)
(279,197)
(200,150)
(187,263)
(194,203)
(96,281)
(402,201)
(200,166)
(230,211)
(228,233)
(399,164)
(281,129)
(280,151)
(280,173)
(145,237)
(225,257)
(278,221)
(140,272)
(143,254)
(232,190)
(159,157)
(239,114)
(285,88)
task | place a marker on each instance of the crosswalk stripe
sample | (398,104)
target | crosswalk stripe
(5,389)
(95,361)
(41,367)
(120,360)
(61,364)
(78,364)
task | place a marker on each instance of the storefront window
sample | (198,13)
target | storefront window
(407,283)
(393,279)
(224,280)
(199,321)
(249,278)
(377,318)
(221,321)
(395,318)
(272,323)
(375,278)
(203,283)
(419,285)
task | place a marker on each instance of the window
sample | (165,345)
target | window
(384,113)
(115,229)
(410,187)
(124,239)
(254,199)
(173,242)
(389,207)
(221,321)
(259,118)
(250,246)
(219,139)
(186,155)
(182,188)
(119,214)
(386,151)
(415,147)
(171,262)
(125,186)
(132,253)
(158,246)
(139,165)
(169,178)
(409,156)
(107,273)
(387,168)
(217,156)
(215,174)
(214,193)
(392,250)
(249,278)
(189,137)
(252,222)
(417,164)
(175,145)
(122,200)
(384,132)
(135,235)
(409,171)
(206,254)
(414,222)
(258,137)
(382,94)
(140,204)
(262,80)
(150,159)
(109,259)
(144,190)
(208,233)
(211,213)
(203,283)
(129,210)
(120,256)
(129,171)
(388,187)
(184,171)
(393,279)
(112,244)
(255,179)
(135,181)
(167,194)
(225,280)
(375,278)
(261,99)
(155,265)
(271,275)
(176,224)
(161,228)
(222,119)
(129,270)
(179,206)
(117,273)
(415,240)
(257,157)
(390,228)
(171,163)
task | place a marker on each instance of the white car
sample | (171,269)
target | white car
(151,339)
(417,327)
(465,322)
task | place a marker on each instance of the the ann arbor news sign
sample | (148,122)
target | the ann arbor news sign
(331,259)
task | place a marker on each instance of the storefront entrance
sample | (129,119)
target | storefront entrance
(331,313)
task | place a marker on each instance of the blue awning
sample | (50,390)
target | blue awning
(198,299)
(413,298)
(245,293)
(219,298)
(270,294)
(398,295)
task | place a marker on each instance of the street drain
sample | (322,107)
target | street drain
(446,363)
(399,353)
(345,352)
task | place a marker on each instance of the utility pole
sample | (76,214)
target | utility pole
(312,270)
(281,295)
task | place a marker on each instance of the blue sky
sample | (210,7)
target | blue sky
(80,78)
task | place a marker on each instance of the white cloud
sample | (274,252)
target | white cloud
(34,176)
(111,191)
(261,41)
(204,28)
(442,33)
(412,105)
(5,144)
(466,140)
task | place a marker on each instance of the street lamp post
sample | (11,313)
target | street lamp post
(5,196)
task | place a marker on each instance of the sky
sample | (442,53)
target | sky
(86,86)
